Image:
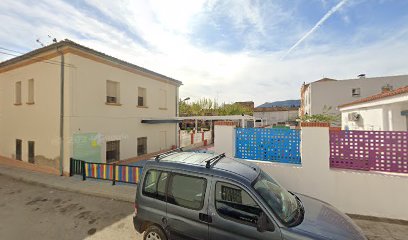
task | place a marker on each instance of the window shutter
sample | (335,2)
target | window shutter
(110,89)
(31,90)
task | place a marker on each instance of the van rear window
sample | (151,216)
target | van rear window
(155,184)
(187,191)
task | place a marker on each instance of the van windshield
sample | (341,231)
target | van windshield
(282,203)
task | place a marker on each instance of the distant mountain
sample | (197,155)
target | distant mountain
(287,103)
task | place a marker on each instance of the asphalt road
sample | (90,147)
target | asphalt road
(35,212)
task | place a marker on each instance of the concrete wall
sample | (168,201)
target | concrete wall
(335,93)
(224,139)
(277,116)
(371,119)
(383,115)
(356,192)
(38,122)
(185,137)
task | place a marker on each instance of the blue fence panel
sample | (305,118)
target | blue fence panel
(268,144)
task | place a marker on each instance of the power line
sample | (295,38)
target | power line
(55,62)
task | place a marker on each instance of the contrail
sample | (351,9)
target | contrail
(318,24)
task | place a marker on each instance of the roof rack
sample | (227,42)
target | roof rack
(162,155)
(212,161)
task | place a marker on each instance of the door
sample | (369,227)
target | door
(151,197)
(187,215)
(18,149)
(31,152)
(163,140)
(235,213)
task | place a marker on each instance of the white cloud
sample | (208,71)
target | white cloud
(244,75)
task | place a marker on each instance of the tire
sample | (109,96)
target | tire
(154,232)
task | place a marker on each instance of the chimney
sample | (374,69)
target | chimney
(386,88)
(361,75)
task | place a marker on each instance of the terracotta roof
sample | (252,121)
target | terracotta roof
(69,43)
(395,92)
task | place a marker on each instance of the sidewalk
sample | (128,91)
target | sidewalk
(100,188)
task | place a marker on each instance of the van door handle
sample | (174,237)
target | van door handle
(205,217)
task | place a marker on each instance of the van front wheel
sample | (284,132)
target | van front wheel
(154,233)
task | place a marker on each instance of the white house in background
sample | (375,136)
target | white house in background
(101,111)
(274,115)
(331,93)
(386,111)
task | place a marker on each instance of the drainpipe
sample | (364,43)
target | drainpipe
(177,114)
(61,132)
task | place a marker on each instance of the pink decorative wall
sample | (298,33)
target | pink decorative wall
(385,151)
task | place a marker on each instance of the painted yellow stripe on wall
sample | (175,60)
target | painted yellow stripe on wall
(117,173)
(95,170)
(86,169)
(137,175)
(104,171)
(127,174)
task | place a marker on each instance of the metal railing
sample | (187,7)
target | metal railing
(105,171)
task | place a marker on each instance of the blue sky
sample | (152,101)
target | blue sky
(231,50)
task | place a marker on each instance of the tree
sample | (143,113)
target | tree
(326,116)
(208,107)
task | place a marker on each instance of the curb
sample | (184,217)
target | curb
(94,194)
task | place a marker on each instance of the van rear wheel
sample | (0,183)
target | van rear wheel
(154,233)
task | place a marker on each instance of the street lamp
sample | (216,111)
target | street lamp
(185,99)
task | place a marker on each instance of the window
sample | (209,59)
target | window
(19,144)
(279,200)
(30,91)
(355,92)
(112,92)
(155,184)
(141,146)
(163,99)
(18,93)
(187,191)
(235,204)
(141,99)
(112,151)
(31,153)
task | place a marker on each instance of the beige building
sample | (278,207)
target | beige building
(101,110)
(318,96)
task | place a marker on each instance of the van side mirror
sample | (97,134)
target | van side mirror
(264,224)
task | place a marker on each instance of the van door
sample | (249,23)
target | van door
(235,213)
(151,200)
(187,206)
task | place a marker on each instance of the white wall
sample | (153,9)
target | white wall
(335,93)
(224,140)
(371,119)
(356,192)
(382,117)
(277,116)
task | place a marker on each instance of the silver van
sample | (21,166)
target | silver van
(190,195)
